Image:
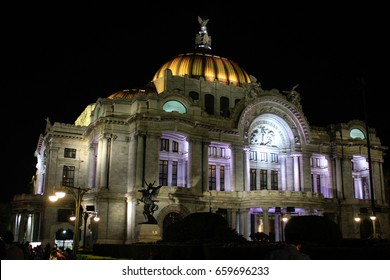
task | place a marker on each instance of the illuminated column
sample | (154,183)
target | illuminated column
(266,220)
(357,187)
(238,169)
(130,219)
(305,176)
(139,173)
(245,222)
(152,158)
(228,177)
(218,178)
(205,166)
(283,173)
(246,169)
(102,162)
(92,163)
(233,219)
(296,172)
(132,163)
(196,161)
(29,227)
(278,229)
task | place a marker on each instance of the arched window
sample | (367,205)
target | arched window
(174,106)
(224,107)
(209,104)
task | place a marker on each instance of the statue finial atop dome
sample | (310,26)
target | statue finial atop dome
(202,39)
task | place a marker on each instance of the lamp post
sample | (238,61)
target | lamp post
(77,194)
(86,215)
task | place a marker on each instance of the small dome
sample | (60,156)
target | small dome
(210,67)
(127,94)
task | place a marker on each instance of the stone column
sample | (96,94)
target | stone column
(152,158)
(102,162)
(305,176)
(246,169)
(283,174)
(266,220)
(195,160)
(347,177)
(238,168)
(140,153)
(205,166)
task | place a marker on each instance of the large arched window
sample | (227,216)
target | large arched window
(174,106)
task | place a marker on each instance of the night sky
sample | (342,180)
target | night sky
(55,62)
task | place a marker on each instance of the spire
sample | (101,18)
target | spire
(202,39)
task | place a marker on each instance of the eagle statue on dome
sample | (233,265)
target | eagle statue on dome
(203,22)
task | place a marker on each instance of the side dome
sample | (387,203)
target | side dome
(210,67)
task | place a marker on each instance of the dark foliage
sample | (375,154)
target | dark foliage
(259,236)
(314,230)
(201,227)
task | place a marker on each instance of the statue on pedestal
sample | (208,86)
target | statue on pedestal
(149,195)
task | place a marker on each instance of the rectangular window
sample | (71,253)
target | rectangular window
(70,153)
(175,146)
(222,150)
(222,178)
(252,179)
(63,215)
(174,173)
(274,180)
(253,155)
(163,173)
(318,184)
(312,183)
(263,179)
(212,151)
(366,189)
(274,157)
(212,177)
(68,173)
(263,156)
(164,143)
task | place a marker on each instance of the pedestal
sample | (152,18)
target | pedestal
(148,233)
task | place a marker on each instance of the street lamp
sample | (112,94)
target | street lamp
(77,194)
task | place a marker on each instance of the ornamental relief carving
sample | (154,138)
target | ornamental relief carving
(258,108)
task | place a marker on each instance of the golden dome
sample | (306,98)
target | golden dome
(210,67)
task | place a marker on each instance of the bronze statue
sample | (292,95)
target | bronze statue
(149,195)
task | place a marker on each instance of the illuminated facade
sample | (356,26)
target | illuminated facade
(215,140)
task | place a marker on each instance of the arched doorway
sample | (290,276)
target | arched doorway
(170,218)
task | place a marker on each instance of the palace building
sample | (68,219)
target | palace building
(204,136)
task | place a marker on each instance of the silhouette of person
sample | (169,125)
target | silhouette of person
(291,250)
(14,252)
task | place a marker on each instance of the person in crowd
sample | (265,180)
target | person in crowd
(291,250)
(13,250)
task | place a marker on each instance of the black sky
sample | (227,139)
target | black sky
(57,60)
